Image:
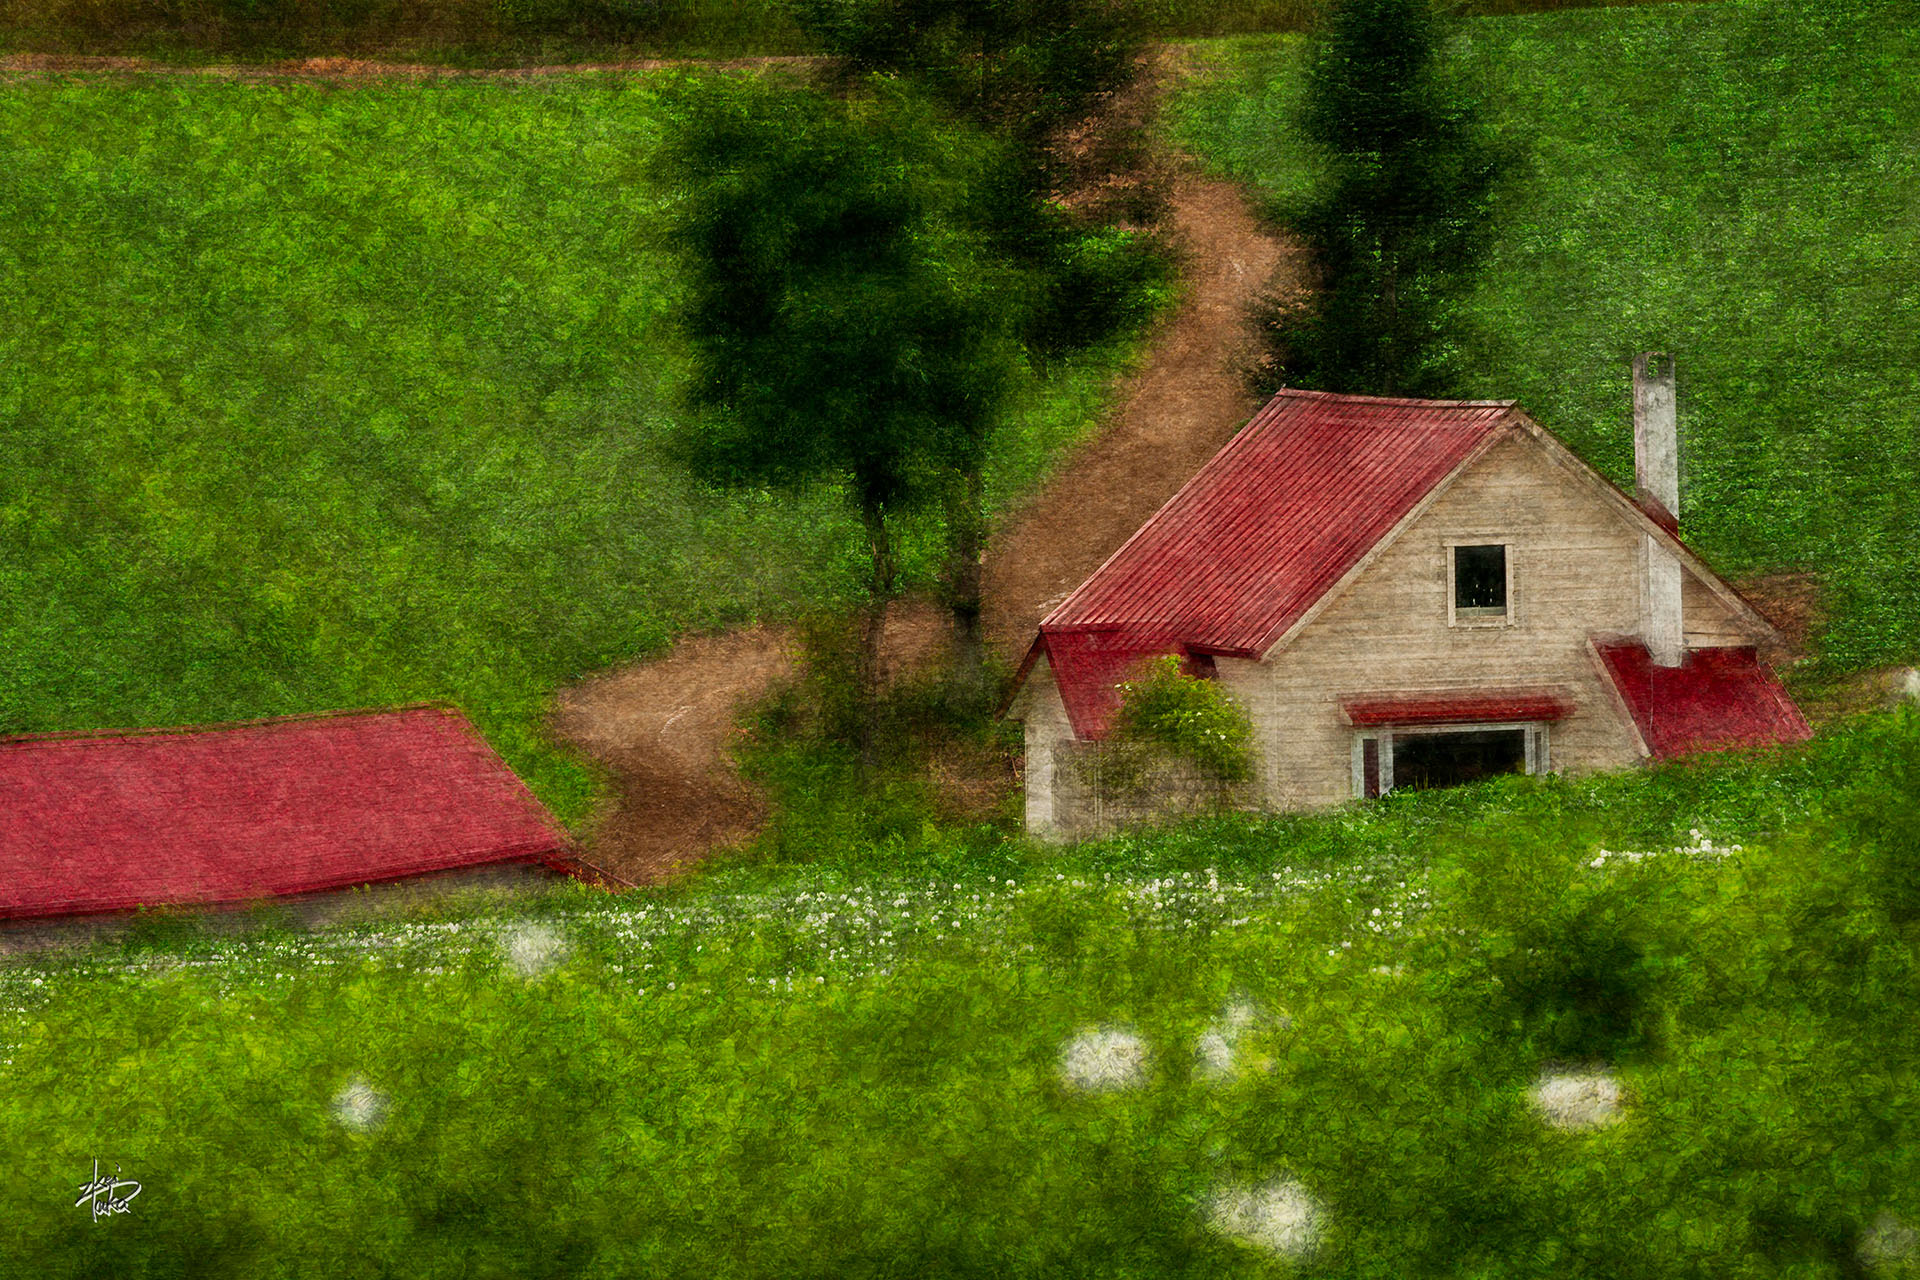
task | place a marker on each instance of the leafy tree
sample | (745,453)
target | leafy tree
(1400,220)
(845,327)
(1029,73)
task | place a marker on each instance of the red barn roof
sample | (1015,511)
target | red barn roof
(1715,698)
(108,822)
(1258,536)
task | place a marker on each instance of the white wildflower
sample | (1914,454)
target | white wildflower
(532,949)
(1888,1243)
(1104,1059)
(1218,1044)
(1577,1100)
(1281,1217)
(1216,1057)
(359,1106)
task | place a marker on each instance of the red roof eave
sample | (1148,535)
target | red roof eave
(1716,699)
(1456,706)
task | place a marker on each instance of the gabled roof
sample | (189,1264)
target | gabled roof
(108,822)
(1296,502)
(1258,536)
(1278,516)
(1715,699)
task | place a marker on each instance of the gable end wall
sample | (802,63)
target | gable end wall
(1575,571)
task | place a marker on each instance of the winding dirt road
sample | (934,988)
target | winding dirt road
(661,728)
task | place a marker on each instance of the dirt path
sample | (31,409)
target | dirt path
(663,730)
(1177,412)
(662,727)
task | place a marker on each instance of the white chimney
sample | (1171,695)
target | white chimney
(1656,471)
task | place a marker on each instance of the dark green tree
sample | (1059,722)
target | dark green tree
(1401,218)
(1034,75)
(845,326)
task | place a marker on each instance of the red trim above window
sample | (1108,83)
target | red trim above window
(1456,706)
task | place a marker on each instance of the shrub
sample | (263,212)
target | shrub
(1570,959)
(1191,718)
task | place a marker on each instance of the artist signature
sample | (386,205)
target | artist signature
(105,1193)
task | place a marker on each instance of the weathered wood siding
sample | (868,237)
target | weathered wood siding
(1705,620)
(1575,570)
(1046,728)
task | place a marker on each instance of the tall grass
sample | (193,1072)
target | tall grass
(1054,1074)
(1735,184)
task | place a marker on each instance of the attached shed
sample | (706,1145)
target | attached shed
(1410,593)
(298,810)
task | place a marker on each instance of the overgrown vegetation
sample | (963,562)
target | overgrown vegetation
(1190,716)
(1733,184)
(1046,1069)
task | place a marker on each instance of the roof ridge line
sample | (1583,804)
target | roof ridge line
(1304,392)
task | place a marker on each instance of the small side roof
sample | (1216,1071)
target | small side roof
(1714,700)
(112,821)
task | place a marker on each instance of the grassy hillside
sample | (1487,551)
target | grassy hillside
(1738,184)
(327,397)
(510,32)
(1070,1065)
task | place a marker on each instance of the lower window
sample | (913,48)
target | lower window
(1426,758)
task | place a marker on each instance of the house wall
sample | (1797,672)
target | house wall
(1049,735)
(1575,570)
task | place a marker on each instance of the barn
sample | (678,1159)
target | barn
(1409,593)
(300,810)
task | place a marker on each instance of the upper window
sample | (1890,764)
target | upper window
(1480,582)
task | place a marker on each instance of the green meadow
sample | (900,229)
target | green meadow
(1737,184)
(324,397)
(1538,1027)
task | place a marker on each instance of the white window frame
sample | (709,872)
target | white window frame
(1539,752)
(1457,617)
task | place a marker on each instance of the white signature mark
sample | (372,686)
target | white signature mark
(104,1193)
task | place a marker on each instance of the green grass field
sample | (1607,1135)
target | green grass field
(346,396)
(1058,1065)
(1737,184)
(516,32)
(335,397)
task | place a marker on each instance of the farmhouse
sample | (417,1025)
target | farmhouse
(299,810)
(1409,593)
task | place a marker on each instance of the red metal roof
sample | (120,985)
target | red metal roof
(1458,706)
(108,822)
(1715,699)
(1089,666)
(1259,535)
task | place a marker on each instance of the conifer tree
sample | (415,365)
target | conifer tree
(1400,220)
